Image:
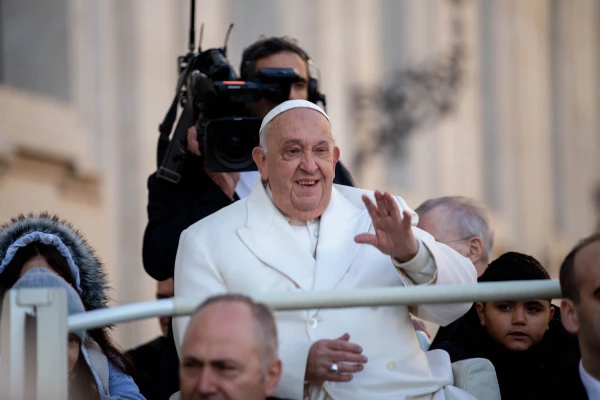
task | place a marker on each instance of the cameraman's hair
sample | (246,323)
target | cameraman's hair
(569,282)
(265,47)
(264,321)
(469,216)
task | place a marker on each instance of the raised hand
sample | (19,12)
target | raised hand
(393,230)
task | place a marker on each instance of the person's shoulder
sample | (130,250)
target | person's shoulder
(148,350)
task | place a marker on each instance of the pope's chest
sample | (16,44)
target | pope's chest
(368,267)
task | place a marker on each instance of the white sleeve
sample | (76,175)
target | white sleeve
(451,269)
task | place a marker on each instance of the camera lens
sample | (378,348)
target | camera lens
(235,147)
(229,144)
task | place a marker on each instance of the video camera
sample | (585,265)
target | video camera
(215,101)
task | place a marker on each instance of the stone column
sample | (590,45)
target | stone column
(575,105)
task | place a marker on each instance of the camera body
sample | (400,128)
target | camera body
(227,133)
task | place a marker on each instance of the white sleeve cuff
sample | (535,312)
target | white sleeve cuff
(421,269)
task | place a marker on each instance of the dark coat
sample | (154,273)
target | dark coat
(156,368)
(172,208)
(548,370)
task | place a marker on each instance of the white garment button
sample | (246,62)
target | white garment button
(374,308)
(312,323)
(316,233)
(329,385)
(392,366)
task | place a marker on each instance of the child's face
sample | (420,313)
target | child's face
(73,345)
(517,325)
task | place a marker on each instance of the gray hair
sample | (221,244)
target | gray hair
(263,136)
(266,328)
(469,217)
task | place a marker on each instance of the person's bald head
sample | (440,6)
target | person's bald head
(230,350)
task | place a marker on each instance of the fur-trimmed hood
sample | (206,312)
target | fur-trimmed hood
(92,278)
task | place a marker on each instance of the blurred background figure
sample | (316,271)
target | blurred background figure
(580,284)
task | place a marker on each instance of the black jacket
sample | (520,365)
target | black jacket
(156,368)
(548,370)
(172,208)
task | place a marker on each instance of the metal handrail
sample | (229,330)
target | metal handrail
(433,294)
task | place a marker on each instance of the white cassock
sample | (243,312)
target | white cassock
(251,247)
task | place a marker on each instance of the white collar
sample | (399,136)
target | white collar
(245,183)
(591,384)
(292,221)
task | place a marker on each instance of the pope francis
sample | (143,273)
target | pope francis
(299,232)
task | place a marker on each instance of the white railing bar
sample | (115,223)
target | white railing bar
(433,294)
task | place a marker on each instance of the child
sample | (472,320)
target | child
(533,355)
(82,380)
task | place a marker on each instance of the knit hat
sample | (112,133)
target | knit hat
(44,278)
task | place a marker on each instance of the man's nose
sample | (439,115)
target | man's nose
(206,383)
(309,162)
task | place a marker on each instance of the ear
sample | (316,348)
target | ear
(260,158)
(475,246)
(569,317)
(336,155)
(550,315)
(480,307)
(272,377)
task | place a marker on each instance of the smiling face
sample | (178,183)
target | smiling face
(516,325)
(299,163)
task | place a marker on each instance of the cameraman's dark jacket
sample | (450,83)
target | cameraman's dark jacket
(172,208)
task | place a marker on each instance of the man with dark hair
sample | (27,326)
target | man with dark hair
(580,285)
(174,207)
(230,351)
(532,353)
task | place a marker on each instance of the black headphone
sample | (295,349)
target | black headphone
(314,95)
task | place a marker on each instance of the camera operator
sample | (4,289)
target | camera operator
(174,207)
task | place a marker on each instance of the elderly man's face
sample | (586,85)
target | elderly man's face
(300,162)
(222,357)
(436,223)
